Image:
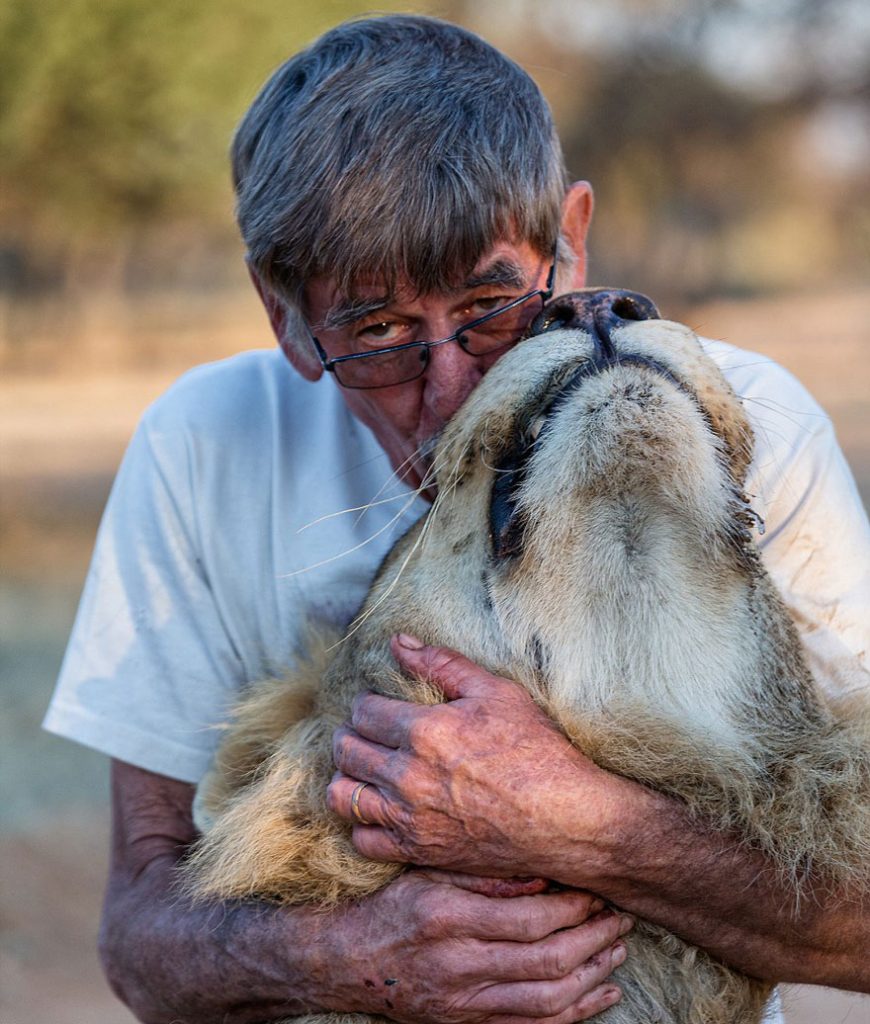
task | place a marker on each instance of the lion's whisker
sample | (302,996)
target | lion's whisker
(777,407)
(349,551)
(357,508)
(440,498)
(423,451)
(428,480)
(409,496)
(370,611)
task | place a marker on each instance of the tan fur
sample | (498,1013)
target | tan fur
(637,613)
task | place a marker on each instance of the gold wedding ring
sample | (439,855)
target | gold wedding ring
(354,804)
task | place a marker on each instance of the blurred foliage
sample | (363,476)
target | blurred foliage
(702,126)
(728,141)
(704,189)
(118,113)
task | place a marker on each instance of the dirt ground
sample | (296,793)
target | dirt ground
(61,436)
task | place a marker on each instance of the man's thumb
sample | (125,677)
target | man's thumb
(449,670)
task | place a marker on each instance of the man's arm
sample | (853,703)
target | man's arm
(486,783)
(428,948)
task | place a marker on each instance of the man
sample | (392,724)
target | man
(396,181)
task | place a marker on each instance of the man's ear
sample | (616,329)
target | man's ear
(305,362)
(577,209)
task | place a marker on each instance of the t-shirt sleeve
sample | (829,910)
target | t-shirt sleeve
(150,669)
(817,543)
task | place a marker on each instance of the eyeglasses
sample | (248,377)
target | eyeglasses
(386,367)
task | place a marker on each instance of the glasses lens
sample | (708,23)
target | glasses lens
(503,328)
(381,369)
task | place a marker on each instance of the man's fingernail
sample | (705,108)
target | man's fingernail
(618,955)
(611,996)
(409,642)
(626,923)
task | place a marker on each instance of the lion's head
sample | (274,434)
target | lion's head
(590,490)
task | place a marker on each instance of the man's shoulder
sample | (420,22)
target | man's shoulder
(253,418)
(223,388)
(756,377)
(754,374)
(243,397)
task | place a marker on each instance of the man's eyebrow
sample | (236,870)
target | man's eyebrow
(504,272)
(348,311)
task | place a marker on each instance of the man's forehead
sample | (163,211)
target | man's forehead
(506,266)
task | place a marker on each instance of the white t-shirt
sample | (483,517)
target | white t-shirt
(214,553)
(235,520)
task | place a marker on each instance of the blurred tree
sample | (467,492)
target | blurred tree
(728,141)
(670,152)
(691,120)
(117,114)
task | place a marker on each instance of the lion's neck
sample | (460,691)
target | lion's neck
(640,611)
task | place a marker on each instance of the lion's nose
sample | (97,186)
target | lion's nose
(597,311)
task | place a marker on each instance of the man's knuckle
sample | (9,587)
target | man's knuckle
(399,826)
(404,849)
(394,816)
(597,964)
(526,930)
(553,1002)
(432,917)
(418,729)
(554,963)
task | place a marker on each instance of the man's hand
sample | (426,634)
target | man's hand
(485,783)
(431,948)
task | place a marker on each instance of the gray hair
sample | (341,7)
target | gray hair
(396,148)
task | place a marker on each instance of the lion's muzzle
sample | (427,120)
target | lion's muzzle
(598,312)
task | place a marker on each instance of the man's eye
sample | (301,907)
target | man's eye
(377,330)
(387,332)
(482,306)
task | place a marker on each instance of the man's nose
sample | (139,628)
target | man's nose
(451,376)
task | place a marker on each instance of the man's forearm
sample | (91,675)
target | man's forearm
(429,948)
(171,960)
(720,895)
(227,963)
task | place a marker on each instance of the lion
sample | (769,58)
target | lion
(591,540)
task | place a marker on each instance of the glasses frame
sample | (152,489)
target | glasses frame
(329,364)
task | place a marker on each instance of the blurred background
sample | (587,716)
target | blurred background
(729,146)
